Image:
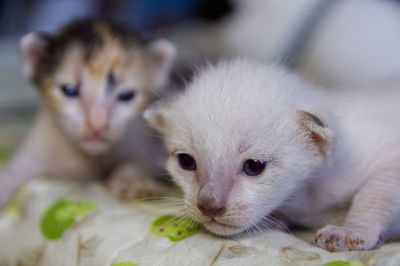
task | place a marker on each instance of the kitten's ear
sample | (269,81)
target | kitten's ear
(162,57)
(155,115)
(33,48)
(318,133)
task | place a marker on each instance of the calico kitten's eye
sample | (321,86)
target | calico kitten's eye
(253,167)
(71,91)
(126,96)
(187,162)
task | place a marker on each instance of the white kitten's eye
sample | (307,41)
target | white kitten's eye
(69,90)
(126,96)
(187,162)
(254,167)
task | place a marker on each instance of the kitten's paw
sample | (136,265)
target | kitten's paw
(337,238)
(134,188)
(128,184)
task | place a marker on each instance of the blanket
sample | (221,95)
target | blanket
(53,222)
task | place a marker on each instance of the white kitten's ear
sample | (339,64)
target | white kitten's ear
(155,115)
(318,133)
(162,57)
(33,48)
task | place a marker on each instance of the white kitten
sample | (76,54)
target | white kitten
(94,77)
(247,139)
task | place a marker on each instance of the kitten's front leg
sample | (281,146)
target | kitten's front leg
(373,209)
(25,165)
(128,182)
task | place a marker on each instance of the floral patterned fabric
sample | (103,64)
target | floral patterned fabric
(105,231)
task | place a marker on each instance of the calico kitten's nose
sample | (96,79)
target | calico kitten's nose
(211,211)
(98,132)
(97,121)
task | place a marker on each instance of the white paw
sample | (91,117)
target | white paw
(128,184)
(338,238)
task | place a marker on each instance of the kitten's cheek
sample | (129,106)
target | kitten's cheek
(175,173)
(119,122)
(73,127)
(123,114)
(117,130)
(186,182)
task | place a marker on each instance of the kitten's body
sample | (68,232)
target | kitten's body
(322,151)
(367,139)
(95,78)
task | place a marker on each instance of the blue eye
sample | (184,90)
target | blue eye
(126,96)
(254,167)
(71,91)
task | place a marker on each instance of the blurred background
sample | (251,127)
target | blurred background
(339,44)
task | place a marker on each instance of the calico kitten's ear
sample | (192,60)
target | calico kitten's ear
(33,48)
(318,133)
(162,57)
(154,115)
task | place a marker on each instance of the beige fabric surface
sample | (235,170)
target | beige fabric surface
(120,232)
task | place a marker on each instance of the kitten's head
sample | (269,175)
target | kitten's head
(95,76)
(242,138)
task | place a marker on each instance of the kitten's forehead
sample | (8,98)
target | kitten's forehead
(235,108)
(222,136)
(101,44)
(247,85)
(111,64)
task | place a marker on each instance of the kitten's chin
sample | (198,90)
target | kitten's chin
(223,229)
(95,147)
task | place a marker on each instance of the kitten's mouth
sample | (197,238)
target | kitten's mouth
(95,139)
(215,222)
(95,144)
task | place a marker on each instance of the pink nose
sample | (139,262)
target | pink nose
(211,211)
(211,200)
(97,131)
(97,120)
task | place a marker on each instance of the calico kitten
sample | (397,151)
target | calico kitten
(94,77)
(247,140)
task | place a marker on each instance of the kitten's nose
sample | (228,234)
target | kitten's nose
(97,120)
(211,211)
(211,200)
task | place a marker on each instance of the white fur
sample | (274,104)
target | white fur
(241,110)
